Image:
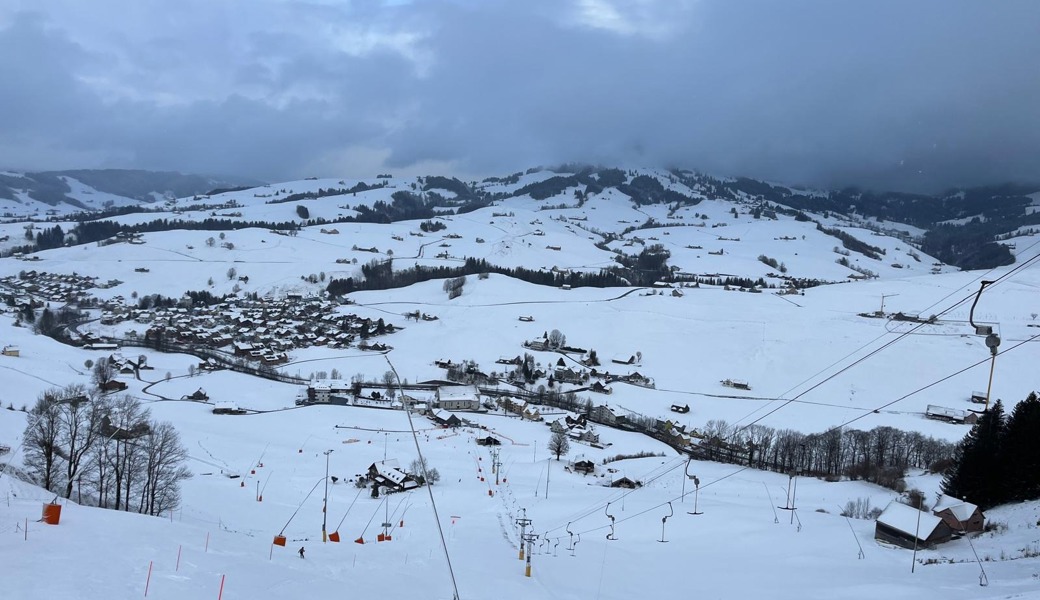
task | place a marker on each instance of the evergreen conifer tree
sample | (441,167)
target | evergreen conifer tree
(976,475)
(1021,451)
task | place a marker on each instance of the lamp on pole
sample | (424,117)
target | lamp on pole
(325,503)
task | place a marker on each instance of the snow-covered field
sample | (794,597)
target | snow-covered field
(808,359)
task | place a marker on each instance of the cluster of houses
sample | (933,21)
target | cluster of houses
(264,329)
(909,527)
(45,286)
(576,428)
(423,398)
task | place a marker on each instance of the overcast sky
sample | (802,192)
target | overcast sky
(902,94)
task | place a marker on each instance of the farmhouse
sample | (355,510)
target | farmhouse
(738,384)
(624,359)
(113,385)
(960,515)
(900,524)
(388,474)
(950,415)
(198,395)
(584,467)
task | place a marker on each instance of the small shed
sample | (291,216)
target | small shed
(960,515)
(681,409)
(489,441)
(10,351)
(900,524)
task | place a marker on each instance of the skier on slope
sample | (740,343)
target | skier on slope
(301,551)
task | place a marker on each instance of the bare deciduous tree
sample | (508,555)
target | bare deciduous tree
(559,444)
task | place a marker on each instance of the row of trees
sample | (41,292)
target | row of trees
(999,460)
(106,449)
(881,455)
(379,275)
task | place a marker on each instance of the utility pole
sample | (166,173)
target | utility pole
(325,503)
(496,465)
(524,523)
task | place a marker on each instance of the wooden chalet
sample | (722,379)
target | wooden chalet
(681,409)
(198,395)
(901,525)
(960,516)
(446,419)
(626,483)
(113,385)
(584,467)
(489,441)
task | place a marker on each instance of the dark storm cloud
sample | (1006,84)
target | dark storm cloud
(912,95)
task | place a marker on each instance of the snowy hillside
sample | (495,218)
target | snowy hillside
(763,317)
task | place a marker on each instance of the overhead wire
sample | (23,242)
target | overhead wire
(1025,264)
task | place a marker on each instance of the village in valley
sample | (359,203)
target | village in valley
(464,364)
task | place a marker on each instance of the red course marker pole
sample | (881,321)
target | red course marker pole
(221,593)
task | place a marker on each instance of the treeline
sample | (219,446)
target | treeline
(380,276)
(323,192)
(88,232)
(999,460)
(198,298)
(852,243)
(881,455)
(969,246)
(106,450)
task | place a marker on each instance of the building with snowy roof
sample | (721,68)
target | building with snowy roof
(959,515)
(908,527)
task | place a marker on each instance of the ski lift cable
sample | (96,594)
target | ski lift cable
(361,489)
(316,484)
(429,488)
(742,469)
(667,467)
(898,338)
(1023,265)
